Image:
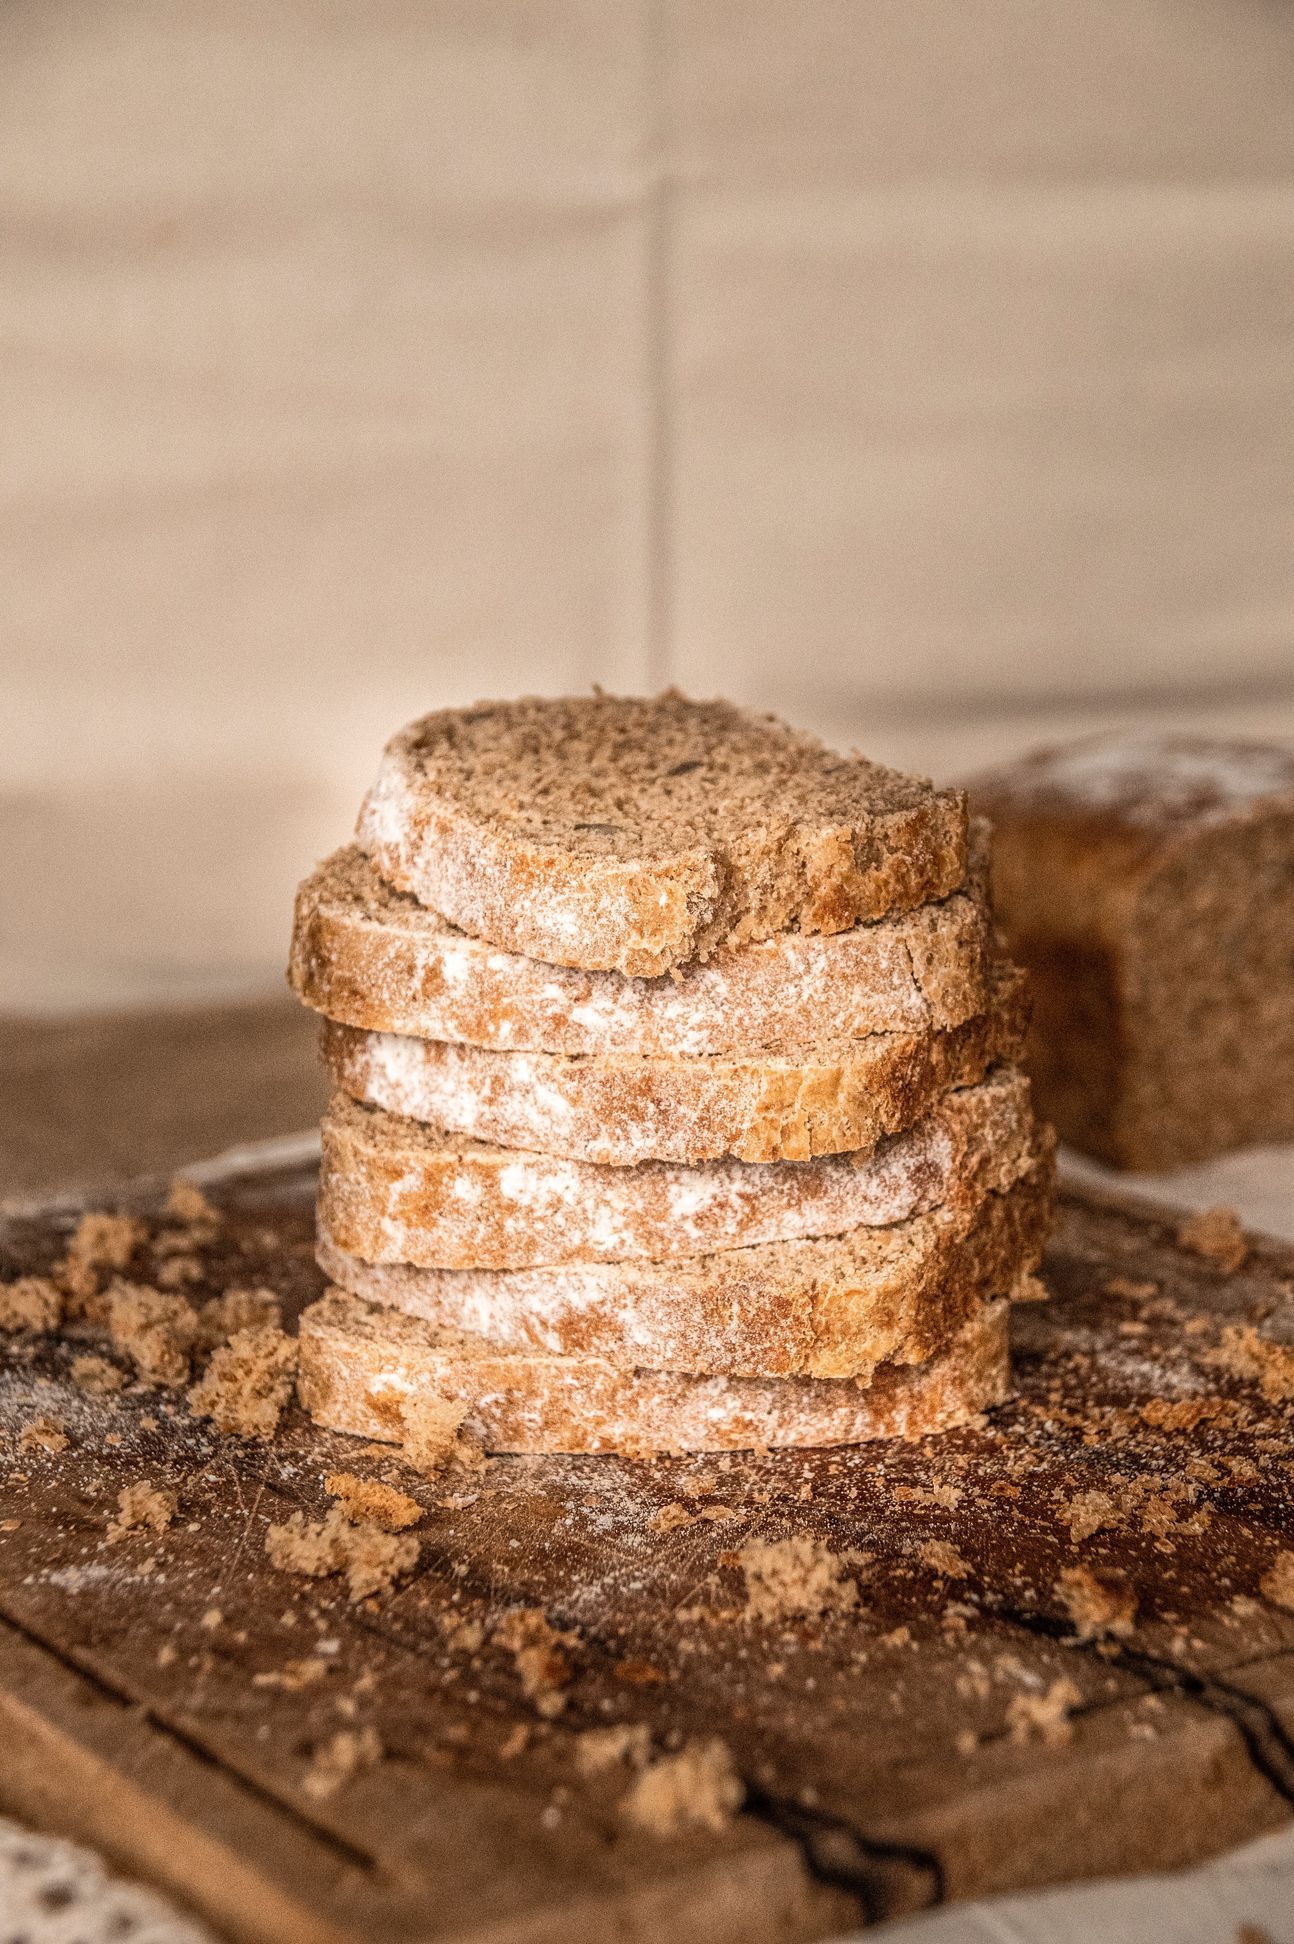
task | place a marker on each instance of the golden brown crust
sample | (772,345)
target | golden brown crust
(361,1367)
(633,835)
(785,1104)
(396,1190)
(372,957)
(830,1308)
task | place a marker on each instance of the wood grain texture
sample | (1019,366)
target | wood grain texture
(885,1752)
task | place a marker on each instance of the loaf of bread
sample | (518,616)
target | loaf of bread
(1148,887)
(396,1190)
(782,1104)
(635,835)
(833,1307)
(361,1367)
(370,956)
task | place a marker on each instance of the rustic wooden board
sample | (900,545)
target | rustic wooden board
(878,1747)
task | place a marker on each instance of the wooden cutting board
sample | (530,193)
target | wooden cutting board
(953,1735)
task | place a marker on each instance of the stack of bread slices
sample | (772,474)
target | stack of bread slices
(677,1102)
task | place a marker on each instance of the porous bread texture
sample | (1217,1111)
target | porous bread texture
(634,834)
(787,1103)
(1148,886)
(370,956)
(397,1190)
(361,1366)
(829,1308)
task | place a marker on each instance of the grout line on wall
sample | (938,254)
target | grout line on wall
(658,236)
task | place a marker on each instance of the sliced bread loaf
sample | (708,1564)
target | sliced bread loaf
(834,1307)
(786,1103)
(362,1366)
(371,956)
(636,834)
(397,1190)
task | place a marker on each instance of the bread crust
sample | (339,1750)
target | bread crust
(832,1307)
(633,835)
(782,1104)
(373,957)
(360,1365)
(395,1190)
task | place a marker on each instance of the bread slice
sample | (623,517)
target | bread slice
(361,1366)
(634,834)
(396,1190)
(371,956)
(834,1307)
(786,1103)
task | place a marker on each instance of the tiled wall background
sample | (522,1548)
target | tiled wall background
(922,368)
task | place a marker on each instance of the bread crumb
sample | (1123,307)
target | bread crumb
(96,1375)
(433,1437)
(371,1560)
(247,1383)
(1044,1717)
(142,1507)
(238,1309)
(100,1243)
(462,1636)
(154,1329)
(1096,1604)
(949,1497)
(368,1501)
(627,1745)
(516,1743)
(31,1303)
(1183,1414)
(212,1619)
(699,1788)
(670,1518)
(42,1434)
(1277,1583)
(294,1675)
(178,1272)
(1089,1511)
(796,1578)
(1130,1288)
(187,1205)
(1245,1354)
(337,1760)
(538,1654)
(941,1556)
(1216,1235)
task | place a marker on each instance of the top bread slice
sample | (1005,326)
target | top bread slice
(637,834)
(373,957)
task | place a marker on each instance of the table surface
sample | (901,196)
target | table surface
(99,1100)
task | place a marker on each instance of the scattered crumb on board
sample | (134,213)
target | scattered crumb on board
(1097,1603)
(367,1501)
(796,1578)
(698,1788)
(371,1560)
(30,1303)
(248,1382)
(1216,1235)
(341,1757)
(155,1329)
(142,1508)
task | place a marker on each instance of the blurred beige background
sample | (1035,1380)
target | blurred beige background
(921,368)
